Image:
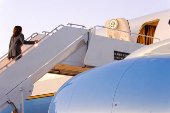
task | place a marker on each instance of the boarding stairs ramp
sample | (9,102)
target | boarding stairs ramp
(17,78)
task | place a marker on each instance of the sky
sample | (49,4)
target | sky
(45,15)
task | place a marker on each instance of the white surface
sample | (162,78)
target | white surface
(162,47)
(101,32)
(49,83)
(15,95)
(101,49)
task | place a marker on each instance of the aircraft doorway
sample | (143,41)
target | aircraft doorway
(147,29)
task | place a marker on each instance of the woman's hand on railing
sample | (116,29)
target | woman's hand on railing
(36,41)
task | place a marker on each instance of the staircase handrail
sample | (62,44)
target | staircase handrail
(45,32)
(32,36)
(6,65)
(76,25)
(125,32)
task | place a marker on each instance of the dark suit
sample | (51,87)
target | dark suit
(15,45)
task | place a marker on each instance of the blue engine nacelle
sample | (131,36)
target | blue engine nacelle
(138,85)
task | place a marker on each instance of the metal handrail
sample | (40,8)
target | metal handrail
(30,37)
(45,32)
(56,29)
(6,65)
(125,32)
(76,25)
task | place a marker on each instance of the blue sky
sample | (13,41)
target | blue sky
(40,15)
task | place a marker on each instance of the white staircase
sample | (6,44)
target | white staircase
(17,78)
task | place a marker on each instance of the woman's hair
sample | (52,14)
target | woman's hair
(16,31)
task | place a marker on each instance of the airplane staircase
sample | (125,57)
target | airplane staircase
(17,78)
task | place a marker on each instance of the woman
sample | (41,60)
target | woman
(17,40)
